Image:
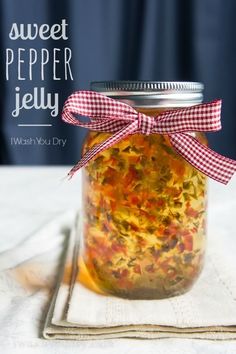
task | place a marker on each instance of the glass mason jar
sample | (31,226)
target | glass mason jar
(144,206)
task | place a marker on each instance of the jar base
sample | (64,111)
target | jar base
(150,294)
(161,291)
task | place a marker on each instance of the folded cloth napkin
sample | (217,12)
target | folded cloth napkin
(208,311)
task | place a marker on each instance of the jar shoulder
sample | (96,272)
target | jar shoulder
(138,140)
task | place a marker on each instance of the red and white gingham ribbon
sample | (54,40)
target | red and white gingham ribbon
(109,115)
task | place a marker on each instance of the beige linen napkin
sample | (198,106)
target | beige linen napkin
(208,311)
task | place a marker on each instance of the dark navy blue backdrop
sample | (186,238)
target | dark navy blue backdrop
(119,39)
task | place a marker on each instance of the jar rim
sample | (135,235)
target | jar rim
(137,86)
(152,94)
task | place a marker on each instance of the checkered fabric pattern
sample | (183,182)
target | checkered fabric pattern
(109,115)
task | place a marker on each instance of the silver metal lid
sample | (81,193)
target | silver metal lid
(152,94)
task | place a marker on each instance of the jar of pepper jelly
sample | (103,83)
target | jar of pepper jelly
(144,205)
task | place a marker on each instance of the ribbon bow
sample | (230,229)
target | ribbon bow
(109,115)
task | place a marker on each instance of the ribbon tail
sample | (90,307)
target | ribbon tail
(115,138)
(209,162)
